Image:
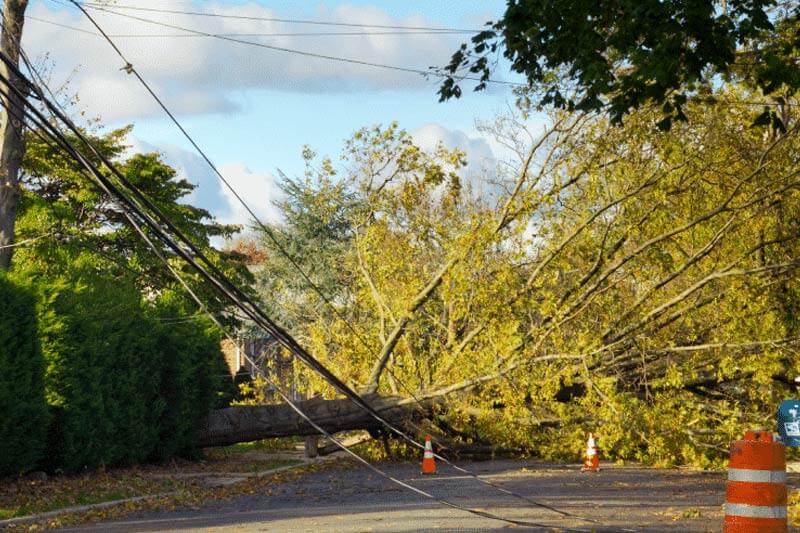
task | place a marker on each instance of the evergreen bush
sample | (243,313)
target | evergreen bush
(101,374)
(126,382)
(191,378)
(23,413)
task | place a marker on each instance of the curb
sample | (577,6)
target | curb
(78,509)
(104,505)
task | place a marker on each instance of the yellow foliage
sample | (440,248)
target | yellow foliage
(638,285)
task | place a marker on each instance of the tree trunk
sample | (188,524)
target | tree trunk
(11,143)
(247,423)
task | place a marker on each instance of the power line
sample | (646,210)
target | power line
(267,231)
(52,23)
(289,342)
(288,34)
(338,59)
(281,20)
(270,234)
(130,208)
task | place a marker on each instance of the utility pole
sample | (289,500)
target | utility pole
(12,146)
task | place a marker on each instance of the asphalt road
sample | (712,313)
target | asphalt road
(355,499)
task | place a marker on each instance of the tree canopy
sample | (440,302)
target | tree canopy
(640,285)
(618,55)
(71,222)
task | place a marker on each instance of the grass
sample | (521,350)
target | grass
(22,497)
(26,496)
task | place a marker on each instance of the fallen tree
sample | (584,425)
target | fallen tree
(642,287)
(246,423)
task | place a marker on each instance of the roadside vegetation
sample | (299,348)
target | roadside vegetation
(629,268)
(103,360)
(636,283)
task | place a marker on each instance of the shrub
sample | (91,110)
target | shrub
(191,379)
(126,382)
(101,377)
(23,414)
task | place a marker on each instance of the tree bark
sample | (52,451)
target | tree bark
(247,423)
(12,147)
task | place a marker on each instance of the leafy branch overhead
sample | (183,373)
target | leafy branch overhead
(619,55)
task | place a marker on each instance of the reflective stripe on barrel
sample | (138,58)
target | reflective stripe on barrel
(757,476)
(756,488)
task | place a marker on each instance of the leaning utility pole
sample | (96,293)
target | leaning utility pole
(12,146)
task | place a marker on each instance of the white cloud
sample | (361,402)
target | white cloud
(258,189)
(199,74)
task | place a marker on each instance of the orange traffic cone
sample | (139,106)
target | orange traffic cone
(592,461)
(428,463)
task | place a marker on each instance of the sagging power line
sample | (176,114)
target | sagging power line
(141,211)
(305,276)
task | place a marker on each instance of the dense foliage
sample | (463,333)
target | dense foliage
(23,423)
(617,55)
(131,364)
(123,386)
(636,284)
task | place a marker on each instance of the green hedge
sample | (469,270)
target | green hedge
(193,375)
(124,381)
(101,377)
(23,413)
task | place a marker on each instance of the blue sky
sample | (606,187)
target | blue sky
(254,109)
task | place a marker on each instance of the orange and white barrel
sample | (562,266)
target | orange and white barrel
(756,488)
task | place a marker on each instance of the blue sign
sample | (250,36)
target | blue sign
(789,422)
